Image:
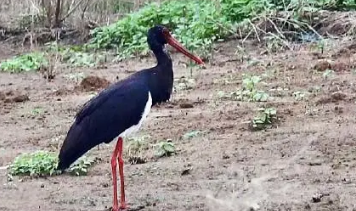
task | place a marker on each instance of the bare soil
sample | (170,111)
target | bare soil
(306,162)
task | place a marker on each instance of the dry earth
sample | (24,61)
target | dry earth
(306,162)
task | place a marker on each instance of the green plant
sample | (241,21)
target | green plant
(239,10)
(328,74)
(265,118)
(194,23)
(27,62)
(44,163)
(135,148)
(249,91)
(79,59)
(165,148)
(80,167)
(37,110)
(72,56)
(136,145)
(192,134)
(75,56)
(40,163)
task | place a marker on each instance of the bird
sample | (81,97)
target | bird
(119,110)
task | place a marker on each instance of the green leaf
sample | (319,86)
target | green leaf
(169,147)
(191,134)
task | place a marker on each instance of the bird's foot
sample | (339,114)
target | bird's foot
(114,208)
(123,206)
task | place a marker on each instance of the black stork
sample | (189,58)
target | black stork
(119,110)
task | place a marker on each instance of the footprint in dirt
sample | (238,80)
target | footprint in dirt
(13,97)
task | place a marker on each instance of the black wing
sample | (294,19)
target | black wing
(103,118)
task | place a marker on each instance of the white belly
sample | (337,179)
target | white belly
(133,129)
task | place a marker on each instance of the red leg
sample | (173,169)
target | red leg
(115,206)
(121,173)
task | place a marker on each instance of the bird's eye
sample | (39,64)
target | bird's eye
(166,32)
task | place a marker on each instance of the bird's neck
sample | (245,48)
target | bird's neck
(162,56)
(161,77)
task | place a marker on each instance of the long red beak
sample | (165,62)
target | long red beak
(174,43)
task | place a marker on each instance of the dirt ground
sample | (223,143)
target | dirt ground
(306,162)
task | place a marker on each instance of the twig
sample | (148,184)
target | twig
(71,4)
(254,28)
(72,10)
(248,35)
(32,22)
(85,9)
(276,28)
(250,32)
(308,26)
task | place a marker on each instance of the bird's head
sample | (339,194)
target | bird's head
(159,35)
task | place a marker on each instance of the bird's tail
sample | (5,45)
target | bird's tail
(76,144)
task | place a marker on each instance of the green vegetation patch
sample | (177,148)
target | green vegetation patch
(198,23)
(43,163)
(27,62)
(265,118)
(194,23)
(165,148)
